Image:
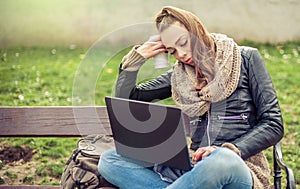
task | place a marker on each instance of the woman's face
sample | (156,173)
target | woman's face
(177,41)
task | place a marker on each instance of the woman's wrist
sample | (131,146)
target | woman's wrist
(133,60)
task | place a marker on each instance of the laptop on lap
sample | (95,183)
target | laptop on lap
(148,132)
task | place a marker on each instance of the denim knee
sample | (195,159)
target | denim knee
(226,160)
(221,162)
(112,160)
(104,160)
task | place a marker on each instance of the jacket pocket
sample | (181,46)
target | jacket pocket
(236,117)
(228,128)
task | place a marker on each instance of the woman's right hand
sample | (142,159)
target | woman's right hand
(202,152)
(139,54)
(151,47)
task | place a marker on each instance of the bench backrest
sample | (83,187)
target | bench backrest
(53,121)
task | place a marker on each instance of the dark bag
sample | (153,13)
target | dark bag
(81,169)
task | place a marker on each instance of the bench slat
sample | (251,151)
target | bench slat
(53,121)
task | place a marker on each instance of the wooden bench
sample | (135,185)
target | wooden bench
(80,121)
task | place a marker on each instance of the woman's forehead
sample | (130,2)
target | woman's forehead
(173,33)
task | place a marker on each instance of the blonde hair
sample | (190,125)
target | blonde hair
(202,44)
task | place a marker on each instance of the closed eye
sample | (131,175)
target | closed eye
(183,43)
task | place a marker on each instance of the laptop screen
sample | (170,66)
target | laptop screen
(148,132)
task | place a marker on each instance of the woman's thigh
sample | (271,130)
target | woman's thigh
(128,173)
(221,169)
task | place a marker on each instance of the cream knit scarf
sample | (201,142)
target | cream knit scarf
(227,71)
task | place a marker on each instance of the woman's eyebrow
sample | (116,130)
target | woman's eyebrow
(179,38)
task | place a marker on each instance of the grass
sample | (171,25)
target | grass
(44,76)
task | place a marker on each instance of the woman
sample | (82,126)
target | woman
(226,92)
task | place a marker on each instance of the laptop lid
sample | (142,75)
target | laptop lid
(148,132)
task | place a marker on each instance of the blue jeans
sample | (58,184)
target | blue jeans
(221,169)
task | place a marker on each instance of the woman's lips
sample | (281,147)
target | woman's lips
(189,61)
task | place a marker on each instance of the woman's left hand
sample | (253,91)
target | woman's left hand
(202,153)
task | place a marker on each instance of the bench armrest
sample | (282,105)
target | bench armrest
(280,165)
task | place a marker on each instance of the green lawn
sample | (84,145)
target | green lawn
(44,76)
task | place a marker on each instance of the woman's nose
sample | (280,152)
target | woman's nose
(181,53)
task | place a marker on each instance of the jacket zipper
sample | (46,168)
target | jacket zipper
(238,117)
(208,126)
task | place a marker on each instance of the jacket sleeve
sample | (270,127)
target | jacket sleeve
(153,90)
(268,129)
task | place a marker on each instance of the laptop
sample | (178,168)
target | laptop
(151,133)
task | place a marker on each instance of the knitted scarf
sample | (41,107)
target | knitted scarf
(227,71)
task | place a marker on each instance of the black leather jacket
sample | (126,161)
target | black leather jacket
(250,118)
